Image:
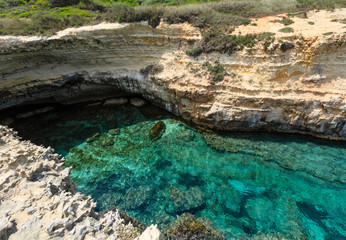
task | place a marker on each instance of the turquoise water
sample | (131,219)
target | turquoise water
(244,183)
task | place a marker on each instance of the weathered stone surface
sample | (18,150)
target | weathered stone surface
(151,233)
(116,101)
(137,102)
(6,226)
(38,200)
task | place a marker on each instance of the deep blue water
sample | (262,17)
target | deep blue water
(243,182)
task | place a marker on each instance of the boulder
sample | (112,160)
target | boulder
(93,138)
(157,130)
(151,233)
(137,102)
(186,200)
(138,197)
(232,199)
(114,131)
(188,227)
(262,210)
(6,226)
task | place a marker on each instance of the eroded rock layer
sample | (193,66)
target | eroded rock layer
(38,200)
(297,85)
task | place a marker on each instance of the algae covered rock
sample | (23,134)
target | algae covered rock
(231,198)
(186,200)
(106,141)
(157,130)
(93,138)
(262,210)
(138,197)
(114,131)
(109,199)
(188,227)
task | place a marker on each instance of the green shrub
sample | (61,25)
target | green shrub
(211,15)
(327,33)
(194,52)
(15,3)
(311,23)
(197,16)
(286,46)
(320,4)
(266,36)
(286,30)
(286,21)
(214,40)
(216,71)
(298,14)
(246,22)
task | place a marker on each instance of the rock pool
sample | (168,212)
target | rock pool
(244,183)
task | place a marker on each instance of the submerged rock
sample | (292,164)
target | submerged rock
(262,210)
(288,220)
(114,131)
(106,141)
(188,227)
(186,136)
(186,200)
(93,138)
(232,198)
(157,130)
(163,219)
(109,199)
(137,197)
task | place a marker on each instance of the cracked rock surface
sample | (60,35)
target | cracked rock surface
(38,200)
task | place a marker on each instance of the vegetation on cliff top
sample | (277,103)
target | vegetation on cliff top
(30,17)
(216,19)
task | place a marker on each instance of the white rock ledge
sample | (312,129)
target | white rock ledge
(38,200)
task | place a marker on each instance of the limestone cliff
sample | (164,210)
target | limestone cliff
(298,85)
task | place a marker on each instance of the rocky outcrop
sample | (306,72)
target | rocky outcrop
(296,84)
(38,200)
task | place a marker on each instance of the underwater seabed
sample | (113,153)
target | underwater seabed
(244,183)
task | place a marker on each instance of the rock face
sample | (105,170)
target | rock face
(297,88)
(38,200)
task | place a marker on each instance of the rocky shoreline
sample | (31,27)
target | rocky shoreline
(38,200)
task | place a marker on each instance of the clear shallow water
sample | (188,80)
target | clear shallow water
(242,182)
